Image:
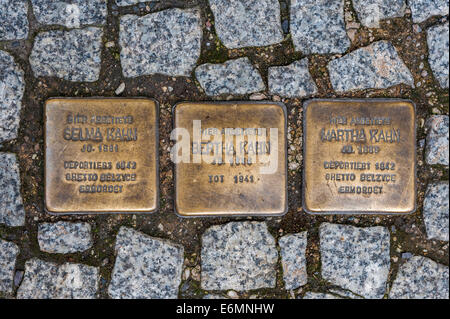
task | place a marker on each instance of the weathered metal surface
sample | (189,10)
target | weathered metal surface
(226,183)
(101,155)
(359,156)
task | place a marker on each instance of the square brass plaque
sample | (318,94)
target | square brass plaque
(359,156)
(101,155)
(233,161)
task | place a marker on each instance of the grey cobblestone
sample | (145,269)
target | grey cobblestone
(436,149)
(293,260)
(356,258)
(293,80)
(247,23)
(71,55)
(437,39)
(166,42)
(46,280)
(232,77)
(12,86)
(319,295)
(318,26)
(435,211)
(12,212)
(14,21)
(8,255)
(239,256)
(421,278)
(145,267)
(371,12)
(70,13)
(376,66)
(123,3)
(423,9)
(64,237)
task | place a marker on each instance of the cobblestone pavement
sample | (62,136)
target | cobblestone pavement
(199,50)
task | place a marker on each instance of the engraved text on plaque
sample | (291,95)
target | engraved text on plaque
(101,155)
(230,159)
(359,156)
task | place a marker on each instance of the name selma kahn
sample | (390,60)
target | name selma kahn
(97,134)
(115,134)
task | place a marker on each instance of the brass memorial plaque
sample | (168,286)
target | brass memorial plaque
(230,159)
(359,156)
(101,155)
